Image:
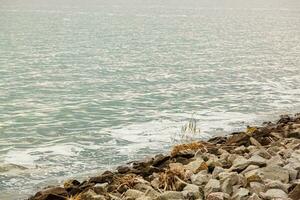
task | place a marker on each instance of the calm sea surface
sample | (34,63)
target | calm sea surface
(87,85)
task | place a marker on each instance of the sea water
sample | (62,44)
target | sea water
(88,85)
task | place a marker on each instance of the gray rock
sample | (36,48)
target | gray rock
(239,163)
(193,189)
(254,197)
(195,166)
(256,187)
(144,198)
(134,194)
(217,171)
(171,195)
(241,194)
(257,160)
(275,173)
(249,168)
(213,185)
(274,193)
(275,160)
(275,184)
(201,178)
(254,176)
(218,196)
(147,189)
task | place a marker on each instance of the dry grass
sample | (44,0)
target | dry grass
(194,146)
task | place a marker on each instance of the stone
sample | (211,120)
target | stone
(144,198)
(217,196)
(53,193)
(105,177)
(254,197)
(294,160)
(257,160)
(292,172)
(68,184)
(201,178)
(254,176)
(275,173)
(274,193)
(249,168)
(217,171)
(256,187)
(213,185)
(295,193)
(134,194)
(275,160)
(170,195)
(91,195)
(194,189)
(213,161)
(275,184)
(196,165)
(239,163)
(147,189)
(99,188)
(240,194)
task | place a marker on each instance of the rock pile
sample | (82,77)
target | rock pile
(260,163)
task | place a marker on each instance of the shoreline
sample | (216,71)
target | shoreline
(262,162)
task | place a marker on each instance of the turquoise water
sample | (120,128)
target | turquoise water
(87,86)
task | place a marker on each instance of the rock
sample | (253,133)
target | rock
(249,168)
(217,171)
(196,165)
(226,186)
(213,185)
(294,134)
(105,177)
(240,194)
(213,161)
(170,195)
(256,187)
(275,184)
(274,193)
(257,160)
(134,194)
(275,160)
(144,198)
(71,183)
(201,178)
(240,150)
(275,173)
(99,188)
(147,189)
(254,176)
(292,172)
(254,197)
(218,196)
(91,195)
(54,193)
(123,169)
(240,163)
(194,189)
(295,193)
(294,160)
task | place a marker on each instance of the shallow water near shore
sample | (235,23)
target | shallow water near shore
(86,87)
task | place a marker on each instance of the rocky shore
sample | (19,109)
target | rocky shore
(259,163)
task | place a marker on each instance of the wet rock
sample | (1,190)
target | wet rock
(201,178)
(295,193)
(54,193)
(71,183)
(123,169)
(256,187)
(217,196)
(159,160)
(213,185)
(274,193)
(193,189)
(134,194)
(169,195)
(100,188)
(105,177)
(241,194)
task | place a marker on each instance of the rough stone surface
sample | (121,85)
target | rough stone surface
(274,193)
(171,195)
(218,196)
(213,185)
